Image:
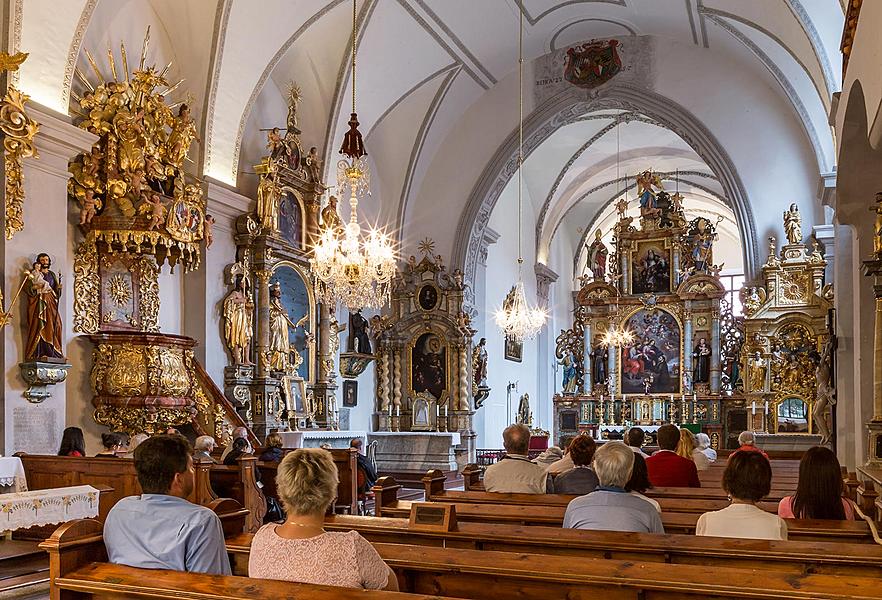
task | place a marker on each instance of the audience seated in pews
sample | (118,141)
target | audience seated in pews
(747,443)
(747,480)
(549,456)
(238,432)
(370,474)
(610,507)
(113,444)
(819,491)
(703,443)
(134,442)
(241,447)
(273,452)
(635,438)
(300,549)
(515,473)
(203,448)
(72,442)
(666,468)
(581,479)
(160,529)
(687,449)
(639,481)
(565,463)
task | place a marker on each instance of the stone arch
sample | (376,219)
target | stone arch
(568,107)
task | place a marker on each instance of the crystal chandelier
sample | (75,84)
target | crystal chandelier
(347,268)
(618,338)
(517,319)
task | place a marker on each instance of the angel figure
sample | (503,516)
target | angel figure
(274,143)
(207,234)
(156,209)
(647,183)
(622,208)
(89,206)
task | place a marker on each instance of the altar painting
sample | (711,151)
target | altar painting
(428,365)
(290,219)
(654,356)
(651,269)
(295,299)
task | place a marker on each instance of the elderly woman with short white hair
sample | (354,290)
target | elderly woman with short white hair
(300,549)
(703,443)
(610,507)
(203,448)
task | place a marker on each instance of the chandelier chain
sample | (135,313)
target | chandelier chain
(354,42)
(520,132)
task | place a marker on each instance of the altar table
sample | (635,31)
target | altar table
(12,475)
(47,507)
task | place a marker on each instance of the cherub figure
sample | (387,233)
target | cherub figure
(274,142)
(207,234)
(88,208)
(622,207)
(157,211)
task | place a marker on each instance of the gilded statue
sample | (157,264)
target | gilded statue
(182,135)
(793,225)
(238,311)
(44,331)
(268,196)
(279,322)
(525,415)
(877,227)
(331,218)
(757,372)
(647,184)
(314,165)
(274,143)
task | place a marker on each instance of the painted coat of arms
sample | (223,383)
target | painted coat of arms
(592,64)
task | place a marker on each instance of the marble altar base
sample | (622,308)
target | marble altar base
(408,455)
(781,442)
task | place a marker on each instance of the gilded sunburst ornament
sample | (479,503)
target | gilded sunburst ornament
(120,290)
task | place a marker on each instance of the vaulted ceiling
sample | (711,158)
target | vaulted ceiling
(423,65)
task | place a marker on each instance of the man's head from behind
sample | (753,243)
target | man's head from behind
(582,450)
(516,439)
(164,466)
(746,438)
(635,437)
(613,463)
(668,437)
(355,443)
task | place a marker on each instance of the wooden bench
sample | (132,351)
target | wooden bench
(790,556)
(347,471)
(237,482)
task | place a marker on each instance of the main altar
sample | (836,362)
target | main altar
(654,339)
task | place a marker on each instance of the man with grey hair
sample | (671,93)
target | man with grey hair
(747,443)
(610,507)
(515,473)
(203,448)
(238,432)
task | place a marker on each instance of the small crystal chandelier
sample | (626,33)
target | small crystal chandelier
(517,319)
(354,271)
(618,338)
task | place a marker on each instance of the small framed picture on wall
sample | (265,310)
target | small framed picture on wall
(514,350)
(350,393)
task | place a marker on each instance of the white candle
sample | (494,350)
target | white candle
(752,407)
(694,396)
(390,409)
(767,407)
(398,411)
(437,410)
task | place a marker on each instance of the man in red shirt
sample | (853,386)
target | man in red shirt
(668,469)
(747,443)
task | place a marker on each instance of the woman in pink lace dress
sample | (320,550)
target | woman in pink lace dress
(300,549)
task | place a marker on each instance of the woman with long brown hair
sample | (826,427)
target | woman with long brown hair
(819,491)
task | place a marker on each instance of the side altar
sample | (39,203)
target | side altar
(652,334)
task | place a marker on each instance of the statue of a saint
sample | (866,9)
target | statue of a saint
(569,373)
(268,194)
(597,257)
(622,208)
(701,356)
(44,321)
(331,218)
(358,334)
(314,165)
(647,183)
(702,248)
(525,415)
(826,393)
(793,225)
(238,311)
(182,135)
(757,374)
(877,228)
(479,363)
(599,361)
(279,322)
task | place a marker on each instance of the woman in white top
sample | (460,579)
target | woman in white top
(747,479)
(702,442)
(686,448)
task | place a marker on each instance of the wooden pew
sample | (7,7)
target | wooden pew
(239,483)
(388,505)
(79,571)
(347,490)
(454,572)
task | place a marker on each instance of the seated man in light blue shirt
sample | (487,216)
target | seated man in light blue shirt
(610,507)
(160,529)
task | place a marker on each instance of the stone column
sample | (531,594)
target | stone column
(262,301)
(687,348)
(326,382)
(715,371)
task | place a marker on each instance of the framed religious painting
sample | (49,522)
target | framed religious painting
(350,393)
(652,362)
(651,268)
(291,224)
(514,350)
(428,366)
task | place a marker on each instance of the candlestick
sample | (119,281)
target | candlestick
(398,410)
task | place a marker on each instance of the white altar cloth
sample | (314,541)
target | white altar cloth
(47,507)
(12,474)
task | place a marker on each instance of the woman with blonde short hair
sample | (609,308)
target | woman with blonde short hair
(273,452)
(300,549)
